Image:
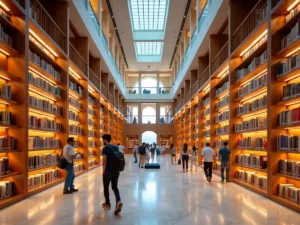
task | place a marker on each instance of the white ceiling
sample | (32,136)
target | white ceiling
(174,20)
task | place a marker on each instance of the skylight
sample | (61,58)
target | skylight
(148,48)
(148,15)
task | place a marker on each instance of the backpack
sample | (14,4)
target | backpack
(117,163)
(142,150)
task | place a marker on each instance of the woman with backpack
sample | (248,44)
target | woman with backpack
(185,157)
(194,157)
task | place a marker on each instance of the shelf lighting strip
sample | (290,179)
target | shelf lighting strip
(223,72)
(253,77)
(291,78)
(5,78)
(4,52)
(45,96)
(91,90)
(42,42)
(293,5)
(2,5)
(264,33)
(41,75)
(74,74)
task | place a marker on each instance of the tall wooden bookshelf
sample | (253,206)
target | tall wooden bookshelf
(50,90)
(262,72)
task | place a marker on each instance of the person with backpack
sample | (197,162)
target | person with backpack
(69,155)
(142,153)
(113,163)
(185,157)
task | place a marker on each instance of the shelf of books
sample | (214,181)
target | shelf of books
(285,101)
(13,130)
(195,121)
(249,104)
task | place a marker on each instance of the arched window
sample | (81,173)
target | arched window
(149,115)
(148,85)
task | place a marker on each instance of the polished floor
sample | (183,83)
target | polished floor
(151,197)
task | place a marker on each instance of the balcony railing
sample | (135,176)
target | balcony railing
(195,88)
(132,90)
(133,119)
(104,90)
(94,79)
(204,77)
(252,21)
(188,96)
(110,97)
(220,58)
(77,59)
(93,17)
(202,19)
(149,119)
(42,17)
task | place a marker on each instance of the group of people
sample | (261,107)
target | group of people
(207,156)
(110,175)
(145,152)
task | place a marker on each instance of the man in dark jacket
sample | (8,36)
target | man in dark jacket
(109,175)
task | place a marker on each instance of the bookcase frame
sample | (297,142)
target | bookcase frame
(238,13)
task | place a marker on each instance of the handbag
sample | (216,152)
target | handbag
(179,162)
(62,162)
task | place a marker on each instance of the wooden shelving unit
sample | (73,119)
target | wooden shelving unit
(39,68)
(254,51)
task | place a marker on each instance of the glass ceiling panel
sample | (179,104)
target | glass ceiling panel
(148,15)
(148,48)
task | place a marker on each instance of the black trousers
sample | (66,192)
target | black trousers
(114,185)
(208,169)
(185,161)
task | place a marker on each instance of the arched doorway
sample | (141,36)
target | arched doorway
(149,115)
(149,137)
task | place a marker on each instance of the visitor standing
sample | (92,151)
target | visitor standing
(147,153)
(110,175)
(225,158)
(194,154)
(163,149)
(69,155)
(135,152)
(173,154)
(208,154)
(157,150)
(185,157)
(142,153)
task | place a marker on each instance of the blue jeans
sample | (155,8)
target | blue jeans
(70,176)
(135,157)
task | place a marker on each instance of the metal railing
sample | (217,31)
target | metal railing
(110,98)
(148,119)
(132,90)
(95,80)
(148,90)
(43,18)
(252,21)
(93,17)
(220,58)
(104,90)
(195,88)
(188,96)
(77,59)
(204,77)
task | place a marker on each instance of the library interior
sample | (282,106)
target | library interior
(186,90)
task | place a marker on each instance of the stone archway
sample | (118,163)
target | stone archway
(149,137)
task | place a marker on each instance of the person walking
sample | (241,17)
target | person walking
(142,153)
(69,155)
(185,157)
(147,153)
(109,175)
(194,154)
(208,154)
(173,154)
(135,152)
(225,158)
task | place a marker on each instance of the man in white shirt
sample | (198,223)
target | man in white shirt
(135,151)
(121,148)
(69,155)
(208,154)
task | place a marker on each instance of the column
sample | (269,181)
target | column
(140,113)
